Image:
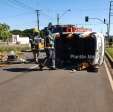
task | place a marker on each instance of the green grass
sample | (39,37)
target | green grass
(16,48)
(110,51)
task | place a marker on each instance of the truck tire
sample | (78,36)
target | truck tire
(93,69)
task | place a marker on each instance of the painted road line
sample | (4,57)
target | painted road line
(109,75)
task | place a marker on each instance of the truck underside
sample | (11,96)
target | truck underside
(75,51)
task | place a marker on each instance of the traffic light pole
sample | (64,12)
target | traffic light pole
(98,20)
(102,21)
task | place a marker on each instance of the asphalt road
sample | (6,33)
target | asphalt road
(25,90)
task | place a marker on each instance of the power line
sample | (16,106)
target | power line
(27,22)
(18,15)
(11,4)
(21,4)
(47,15)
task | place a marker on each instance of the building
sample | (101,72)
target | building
(16,39)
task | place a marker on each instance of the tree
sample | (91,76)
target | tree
(28,33)
(16,32)
(4,32)
(24,33)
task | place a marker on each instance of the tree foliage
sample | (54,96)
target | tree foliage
(16,32)
(24,33)
(28,33)
(4,32)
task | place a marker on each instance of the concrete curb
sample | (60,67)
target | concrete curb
(109,58)
(109,75)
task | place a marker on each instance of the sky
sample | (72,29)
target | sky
(20,14)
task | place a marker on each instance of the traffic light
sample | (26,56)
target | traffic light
(86,19)
(104,21)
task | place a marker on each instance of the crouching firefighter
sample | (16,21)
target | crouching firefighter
(49,61)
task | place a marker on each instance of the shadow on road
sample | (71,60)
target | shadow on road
(18,70)
(46,68)
(21,70)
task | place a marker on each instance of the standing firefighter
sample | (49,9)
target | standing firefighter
(37,41)
(35,45)
(31,40)
(50,51)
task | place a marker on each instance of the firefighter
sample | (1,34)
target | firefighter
(50,52)
(31,40)
(35,46)
(37,41)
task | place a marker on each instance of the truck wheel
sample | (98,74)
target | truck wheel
(92,69)
(95,70)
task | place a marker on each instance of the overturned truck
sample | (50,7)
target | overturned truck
(78,48)
(84,50)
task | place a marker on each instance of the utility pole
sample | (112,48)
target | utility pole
(58,19)
(109,23)
(60,16)
(38,21)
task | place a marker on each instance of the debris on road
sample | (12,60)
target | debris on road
(12,57)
